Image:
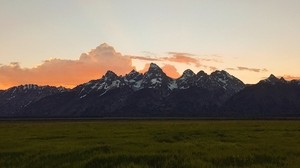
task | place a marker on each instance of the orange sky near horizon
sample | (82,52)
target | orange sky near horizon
(41,41)
(70,73)
(94,64)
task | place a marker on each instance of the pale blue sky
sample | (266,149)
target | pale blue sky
(251,33)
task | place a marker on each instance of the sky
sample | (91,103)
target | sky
(58,42)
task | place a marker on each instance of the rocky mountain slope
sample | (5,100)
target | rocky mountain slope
(154,94)
(271,97)
(15,99)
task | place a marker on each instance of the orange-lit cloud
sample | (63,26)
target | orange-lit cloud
(183,58)
(92,65)
(180,57)
(171,71)
(289,77)
(67,72)
(145,69)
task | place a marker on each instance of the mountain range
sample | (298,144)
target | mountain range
(154,94)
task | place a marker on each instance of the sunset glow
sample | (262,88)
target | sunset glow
(42,41)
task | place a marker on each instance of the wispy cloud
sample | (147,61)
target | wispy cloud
(290,77)
(181,58)
(249,69)
(241,68)
(180,53)
(144,58)
(231,69)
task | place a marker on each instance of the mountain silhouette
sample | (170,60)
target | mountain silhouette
(154,94)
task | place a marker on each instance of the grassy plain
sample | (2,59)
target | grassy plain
(149,143)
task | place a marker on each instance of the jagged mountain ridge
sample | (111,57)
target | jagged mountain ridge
(137,94)
(14,99)
(155,78)
(272,97)
(154,94)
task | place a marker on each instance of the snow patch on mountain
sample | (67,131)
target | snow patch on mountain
(155,78)
(173,85)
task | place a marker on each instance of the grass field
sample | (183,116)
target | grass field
(156,143)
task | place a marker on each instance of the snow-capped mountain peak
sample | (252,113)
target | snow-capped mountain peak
(154,71)
(28,87)
(201,74)
(226,81)
(155,78)
(188,73)
(34,87)
(134,79)
(108,81)
(23,95)
(222,74)
(186,80)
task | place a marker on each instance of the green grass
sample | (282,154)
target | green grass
(156,143)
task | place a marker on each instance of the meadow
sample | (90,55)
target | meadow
(150,143)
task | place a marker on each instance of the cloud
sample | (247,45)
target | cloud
(177,57)
(144,58)
(231,69)
(68,73)
(247,69)
(92,65)
(145,69)
(189,59)
(212,68)
(183,58)
(289,77)
(174,58)
(171,71)
(180,53)
(212,60)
